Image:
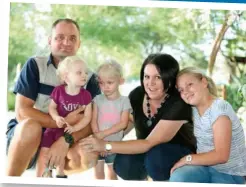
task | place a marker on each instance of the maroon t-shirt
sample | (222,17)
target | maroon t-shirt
(67,103)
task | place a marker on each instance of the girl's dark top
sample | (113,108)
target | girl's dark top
(174,108)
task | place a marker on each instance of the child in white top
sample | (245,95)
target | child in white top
(111,113)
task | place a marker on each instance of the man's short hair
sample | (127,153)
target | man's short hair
(67,20)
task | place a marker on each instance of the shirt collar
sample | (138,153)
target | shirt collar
(50,60)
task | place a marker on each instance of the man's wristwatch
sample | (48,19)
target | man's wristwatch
(108,147)
(69,139)
(188,159)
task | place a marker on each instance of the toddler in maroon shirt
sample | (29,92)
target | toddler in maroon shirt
(67,97)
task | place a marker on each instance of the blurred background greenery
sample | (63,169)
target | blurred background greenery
(129,34)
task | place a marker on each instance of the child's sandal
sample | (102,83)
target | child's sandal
(61,176)
(47,173)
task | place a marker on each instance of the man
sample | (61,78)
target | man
(34,85)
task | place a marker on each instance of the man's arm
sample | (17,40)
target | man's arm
(26,90)
(85,132)
(24,108)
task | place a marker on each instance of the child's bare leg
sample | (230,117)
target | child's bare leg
(99,170)
(41,163)
(111,175)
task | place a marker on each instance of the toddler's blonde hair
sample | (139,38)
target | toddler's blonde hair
(110,69)
(199,75)
(66,63)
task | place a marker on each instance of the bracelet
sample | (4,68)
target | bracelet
(69,139)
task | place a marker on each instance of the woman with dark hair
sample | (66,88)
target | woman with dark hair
(162,121)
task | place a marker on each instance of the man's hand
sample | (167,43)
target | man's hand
(74,116)
(57,153)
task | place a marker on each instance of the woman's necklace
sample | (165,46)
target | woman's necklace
(149,121)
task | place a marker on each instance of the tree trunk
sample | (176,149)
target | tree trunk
(217,43)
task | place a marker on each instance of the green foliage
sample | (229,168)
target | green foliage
(125,34)
(236,94)
(232,96)
(21,36)
(11,101)
(242,93)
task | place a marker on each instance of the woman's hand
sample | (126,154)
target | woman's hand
(91,144)
(178,164)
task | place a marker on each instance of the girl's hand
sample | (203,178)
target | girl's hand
(60,121)
(70,129)
(100,135)
(178,164)
(103,154)
(91,144)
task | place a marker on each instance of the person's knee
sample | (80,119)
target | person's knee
(74,156)
(28,131)
(155,164)
(161,158)
(88,159)
(179,175)
(129,167)
(81,159)
(189,173)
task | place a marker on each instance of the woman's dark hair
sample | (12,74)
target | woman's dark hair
(168,68)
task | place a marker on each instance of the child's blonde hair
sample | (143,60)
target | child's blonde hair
(65,64)
(110,69)
(199,75)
